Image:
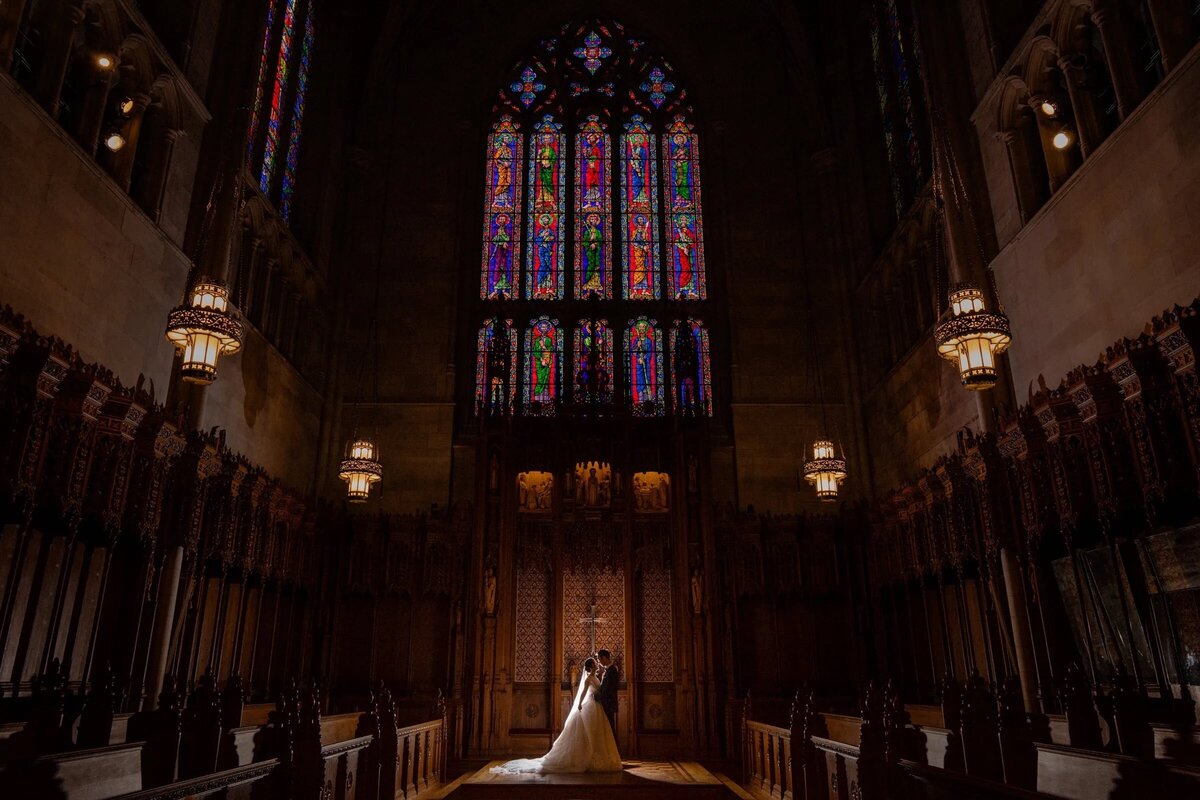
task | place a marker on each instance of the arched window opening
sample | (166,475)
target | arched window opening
(543,367)
(644,366)
(495,368)
(545,216)
(896,55)
(281,93)
(608,200)
(593,362)
(639,211)
(501,236)
(691,382)
(593,210)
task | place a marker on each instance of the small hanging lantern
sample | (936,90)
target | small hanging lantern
(972,337)
(360,469)
(825,471)
(203,329)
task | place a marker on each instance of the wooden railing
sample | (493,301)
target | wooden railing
(422,764)
(768,761)
(262,775)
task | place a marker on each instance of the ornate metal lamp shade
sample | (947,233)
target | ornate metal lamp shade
(971,337)
(825,471)
(360,469)
(203,329)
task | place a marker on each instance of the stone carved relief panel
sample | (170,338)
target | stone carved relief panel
(593,484)
(651,492)
(535,492)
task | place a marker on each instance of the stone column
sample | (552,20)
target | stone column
(1087,121)
(1022,638)
(11,12)
(1172,21)
(95,107)
(120,163)
(154,187)
(1018,165)
(1118,52)
(59,43)
(164,619)
(1059,163)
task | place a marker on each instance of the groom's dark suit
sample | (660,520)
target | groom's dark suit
(606,695)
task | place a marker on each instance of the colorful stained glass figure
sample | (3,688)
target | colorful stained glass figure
(691,372)
(501,234)
(297,127)
(543,366)
(496,367)
(901,70)
(544,235)
(593,52)
(528,85)
(685,233)
(593,210)
(639,212)
(883,91)
(282,78)
(593,362)
(264,63)
(644,367)
(657,86)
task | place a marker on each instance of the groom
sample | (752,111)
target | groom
(606,695)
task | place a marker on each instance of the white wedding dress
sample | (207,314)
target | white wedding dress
(586,743)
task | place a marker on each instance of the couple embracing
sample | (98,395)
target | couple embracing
(587,742)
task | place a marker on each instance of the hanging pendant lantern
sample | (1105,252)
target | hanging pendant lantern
(972,337)
(360,469)
(825,471)
(203,329)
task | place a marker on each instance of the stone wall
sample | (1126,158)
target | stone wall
(1116,244)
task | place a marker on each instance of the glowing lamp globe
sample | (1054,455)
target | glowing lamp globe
(114,141)
(360,469)
(203,329)
(1063,139)
(971,337)
(825,471)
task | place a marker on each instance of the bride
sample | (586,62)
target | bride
(586,743)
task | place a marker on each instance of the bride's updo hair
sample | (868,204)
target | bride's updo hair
(589,666)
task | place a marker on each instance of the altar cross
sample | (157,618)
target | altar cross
(591,619)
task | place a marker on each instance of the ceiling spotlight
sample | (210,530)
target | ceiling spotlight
(104,61)
(1063,139)
(1049,108)
(125,106)
(114,141)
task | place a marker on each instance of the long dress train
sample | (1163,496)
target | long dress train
(586,743)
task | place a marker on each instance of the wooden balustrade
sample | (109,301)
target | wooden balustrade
(768,761)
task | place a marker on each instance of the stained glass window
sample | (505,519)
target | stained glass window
(501,233)
(593,361)
(278,98)
(685,233)
(896,54)
(543,366)
(293,153)
(593,210)
(644,367)
(544,238)
(639,212)
(691,373)
(495,367)
(264,63)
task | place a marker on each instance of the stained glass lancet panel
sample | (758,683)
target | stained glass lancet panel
(278,96)
(593,362)
(501,233)
(593,210)
(496,368)
(900,66)
(691,373)
(685,232)
(639,212)
(297,128)
(260,87)
(544,238)
(644,367)
(543,366)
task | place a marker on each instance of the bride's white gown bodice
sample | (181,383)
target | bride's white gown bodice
(586,743)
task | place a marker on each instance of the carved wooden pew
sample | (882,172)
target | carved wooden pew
(1080,774)
(261,779)
(92,774)
(253,737)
